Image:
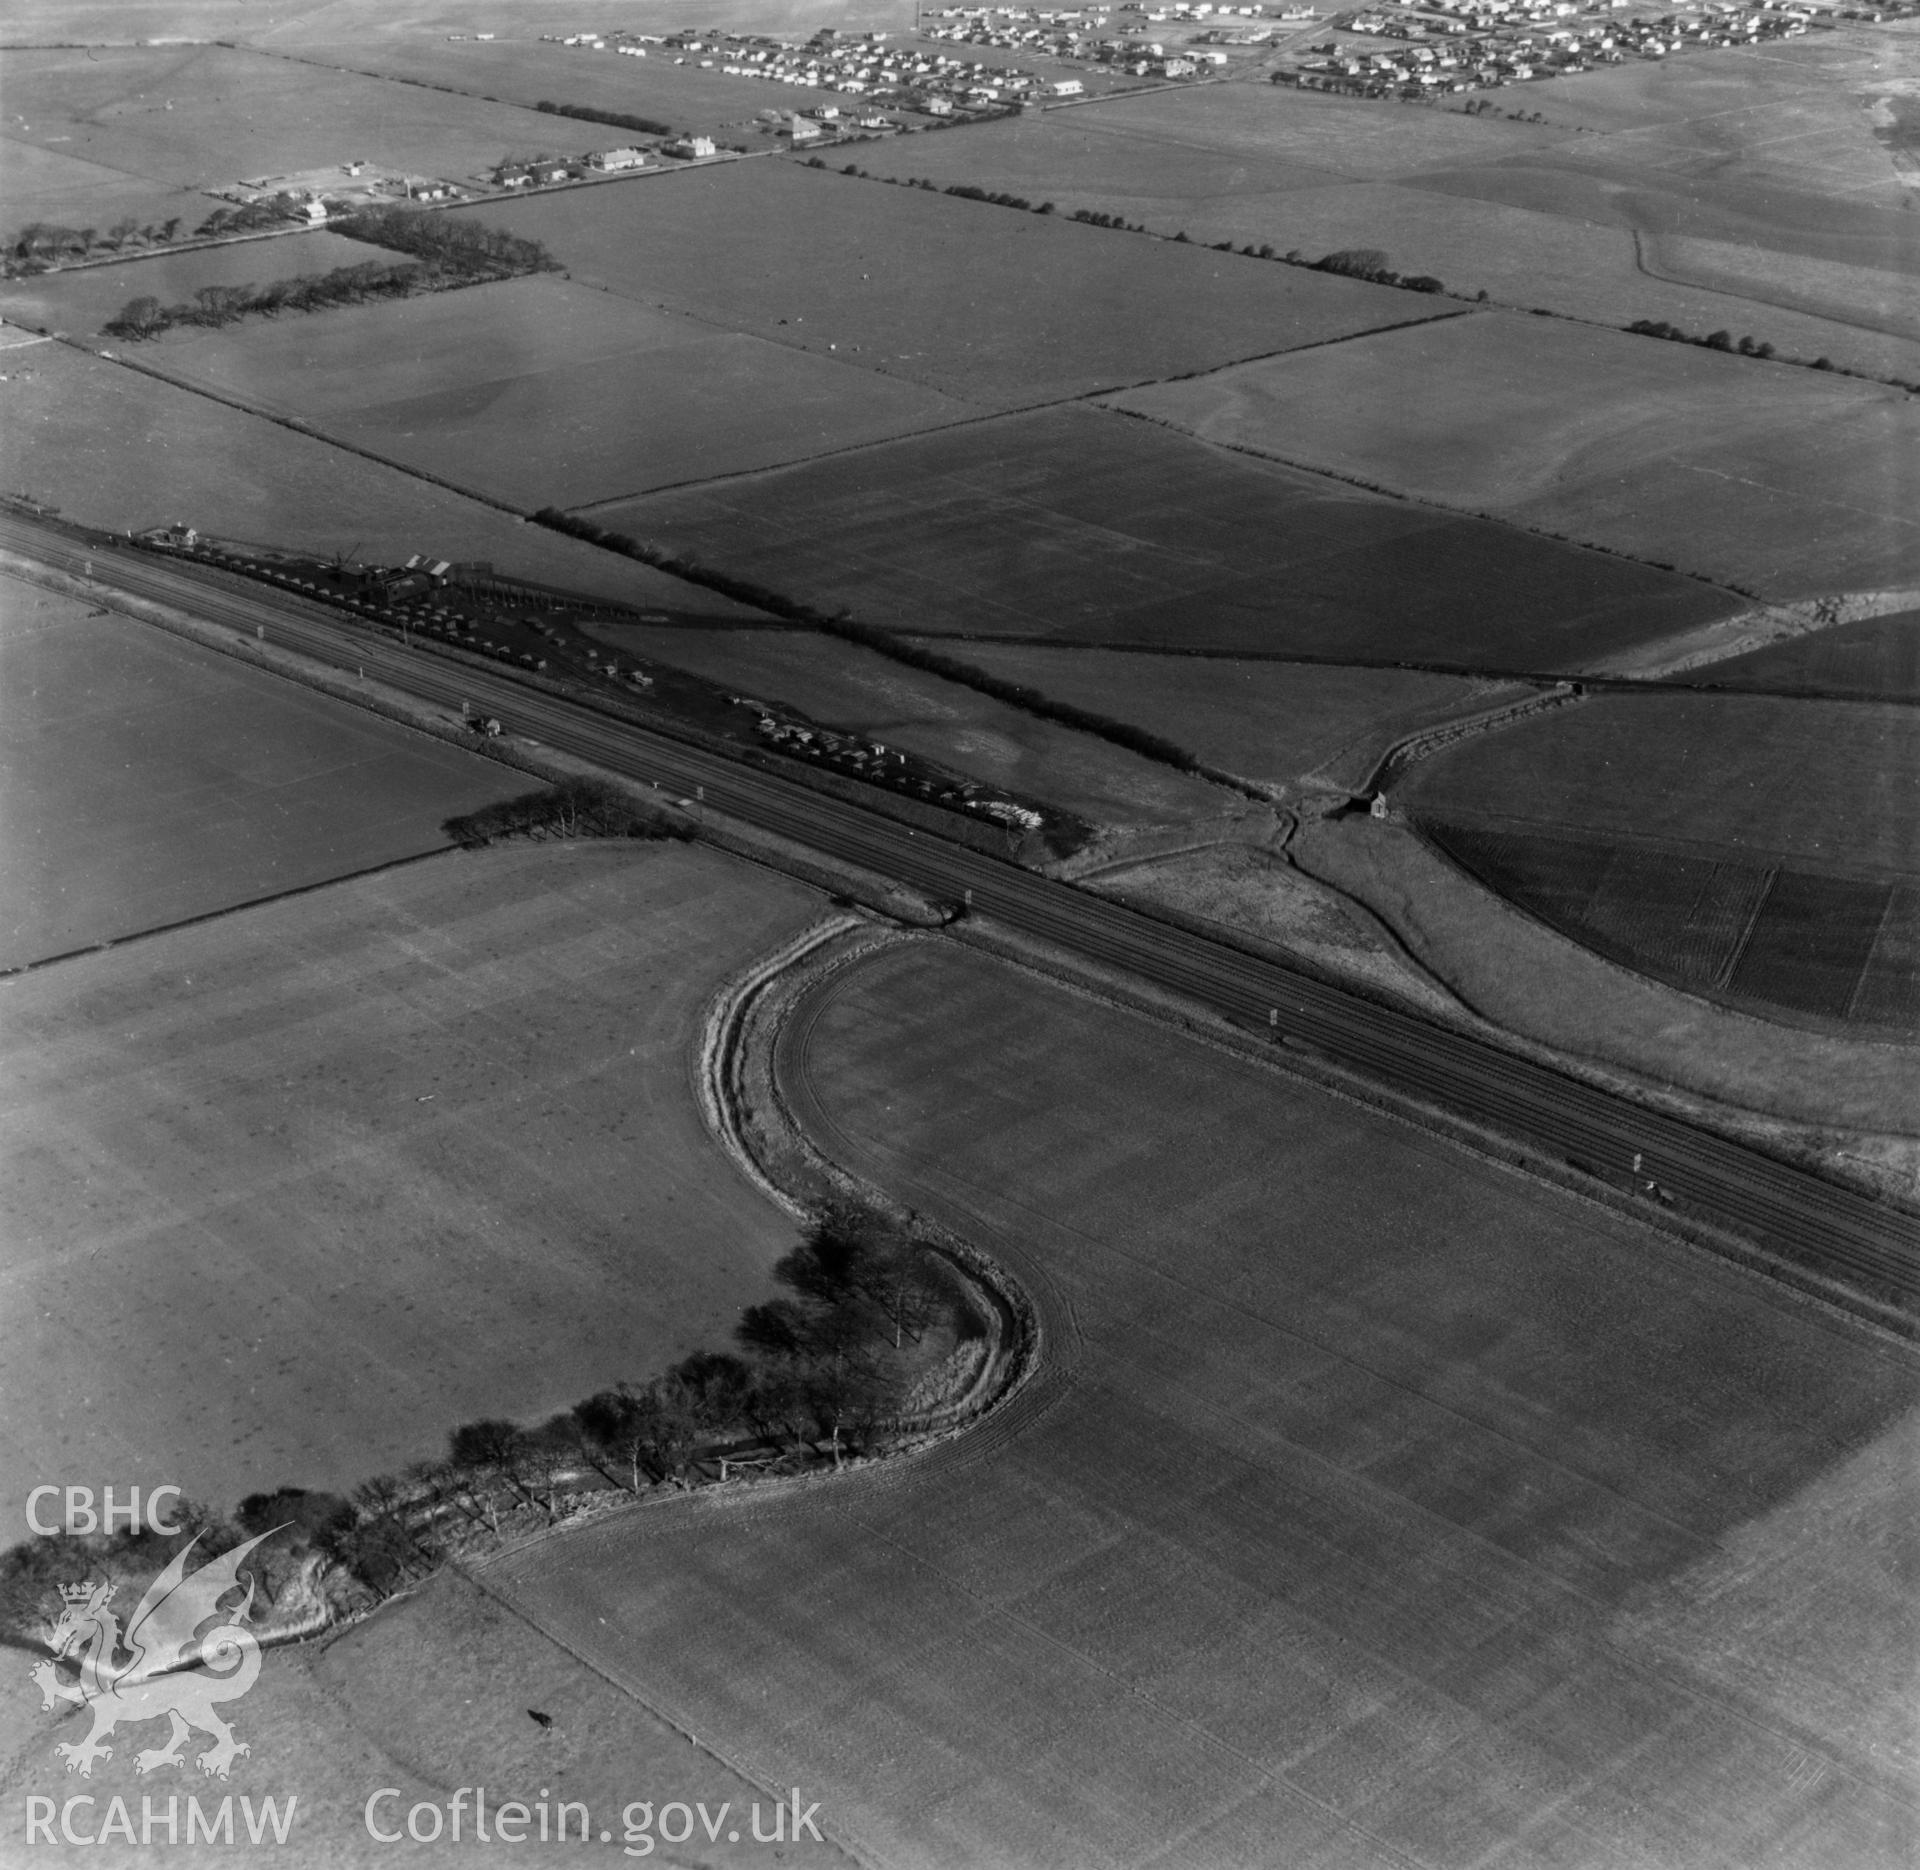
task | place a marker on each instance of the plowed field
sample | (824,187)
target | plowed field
(146,780)
(1081,526)
(295,1191)
(1758,848)
(1373,1507)
(1875,659)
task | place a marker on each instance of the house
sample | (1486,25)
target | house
(688,147)
(544,174)
(1066,87)
(625,157)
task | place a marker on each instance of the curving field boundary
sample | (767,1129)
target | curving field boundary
(743,1048)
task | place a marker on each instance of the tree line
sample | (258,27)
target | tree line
(1367,263)
(816,1376)
(40,244)
(1713,341)
(620,120)
(575,808)
(445,253)
(1750,346)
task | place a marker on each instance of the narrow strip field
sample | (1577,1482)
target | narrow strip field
(1373,1506)
(1271,722)
(80,300)
(847,686)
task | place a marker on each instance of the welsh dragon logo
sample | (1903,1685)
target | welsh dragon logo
(170,1669)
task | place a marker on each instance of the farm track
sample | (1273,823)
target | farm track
(1846,1236)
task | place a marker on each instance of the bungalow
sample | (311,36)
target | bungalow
(625,157)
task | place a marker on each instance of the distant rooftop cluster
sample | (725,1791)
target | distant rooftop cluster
(863,65)
(1468,45)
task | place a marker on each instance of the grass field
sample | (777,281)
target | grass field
(1273,722)
(115,448)
(1789,481)
(1735,776)
(1878,658)
(1376,1507)
(859,690)
(1873,298)
(48,185)
(1079,526)
(1587,185)
(78,301)
(540,392)
(1518,255)
(318,21)
(995,307)
(1257,125)
(1187,158)
(111,22)
(1790,114)
(518,69)
(146,780)
(365,1164)
(1762,848)
(1184,161)
(195,116)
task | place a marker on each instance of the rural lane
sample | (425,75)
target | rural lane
(1778,1207)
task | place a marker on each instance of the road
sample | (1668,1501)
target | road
(1849,1235)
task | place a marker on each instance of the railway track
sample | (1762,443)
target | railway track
(1789,1211)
